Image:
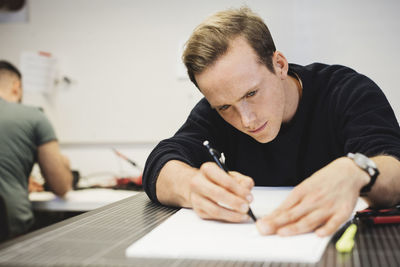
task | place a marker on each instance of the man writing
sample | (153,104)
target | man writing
(278,124)
(26,136)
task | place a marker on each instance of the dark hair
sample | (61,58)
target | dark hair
(211,39)
(5,65)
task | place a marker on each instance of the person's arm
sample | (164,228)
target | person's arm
(326,200)
(55,168)
(208,190)
(176,174)
(386,190)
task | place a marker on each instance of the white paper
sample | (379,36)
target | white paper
(185,235)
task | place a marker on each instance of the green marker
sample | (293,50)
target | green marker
(346,242)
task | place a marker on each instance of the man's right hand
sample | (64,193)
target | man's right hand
(215,194)
(210,191)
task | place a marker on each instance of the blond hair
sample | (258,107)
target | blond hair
(211,39)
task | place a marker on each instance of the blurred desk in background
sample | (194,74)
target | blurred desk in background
(49,208)
(77,200)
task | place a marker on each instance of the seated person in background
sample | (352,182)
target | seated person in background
(26,136)
(278,124)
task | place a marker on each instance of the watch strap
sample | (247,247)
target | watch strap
(368,187)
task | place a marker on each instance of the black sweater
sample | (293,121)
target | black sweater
(340,111)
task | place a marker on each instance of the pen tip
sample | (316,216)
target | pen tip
(205,143)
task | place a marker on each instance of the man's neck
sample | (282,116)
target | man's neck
(293,91)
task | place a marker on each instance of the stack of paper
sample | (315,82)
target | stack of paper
(185,235)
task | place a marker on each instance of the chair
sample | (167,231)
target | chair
(4,228)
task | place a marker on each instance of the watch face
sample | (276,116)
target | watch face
(363,161)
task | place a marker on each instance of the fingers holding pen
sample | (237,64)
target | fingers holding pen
(211,200)
(222,189)
(243,180)
(208,209)
(234,182)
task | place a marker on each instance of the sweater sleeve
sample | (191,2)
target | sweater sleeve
(367,122)
(186,145)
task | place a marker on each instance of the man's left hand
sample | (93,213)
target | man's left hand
(322,202)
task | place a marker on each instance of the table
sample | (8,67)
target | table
(100,237)
(77,200)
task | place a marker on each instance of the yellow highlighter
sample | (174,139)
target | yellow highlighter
(346,242)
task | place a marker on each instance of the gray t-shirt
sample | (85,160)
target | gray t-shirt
(22,130)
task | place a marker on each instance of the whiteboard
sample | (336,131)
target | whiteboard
(123,56)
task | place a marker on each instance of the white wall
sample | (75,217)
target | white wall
(122,56)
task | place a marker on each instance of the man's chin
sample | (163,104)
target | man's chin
(266,137)
(263,139)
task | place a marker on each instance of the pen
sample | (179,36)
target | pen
(119,154)
(214,154)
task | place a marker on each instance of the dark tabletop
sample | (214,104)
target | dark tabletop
(100,237)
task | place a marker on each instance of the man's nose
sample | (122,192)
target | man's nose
(247,116)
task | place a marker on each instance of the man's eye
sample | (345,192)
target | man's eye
(224,107)
(252,93)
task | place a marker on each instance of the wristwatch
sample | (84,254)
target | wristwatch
(367,165)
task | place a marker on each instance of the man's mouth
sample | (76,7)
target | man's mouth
(259,129)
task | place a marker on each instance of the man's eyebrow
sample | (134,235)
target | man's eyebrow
(243,96)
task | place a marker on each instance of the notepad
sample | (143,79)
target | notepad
(185,235)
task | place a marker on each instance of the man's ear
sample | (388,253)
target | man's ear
(281,65)
(16,91)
